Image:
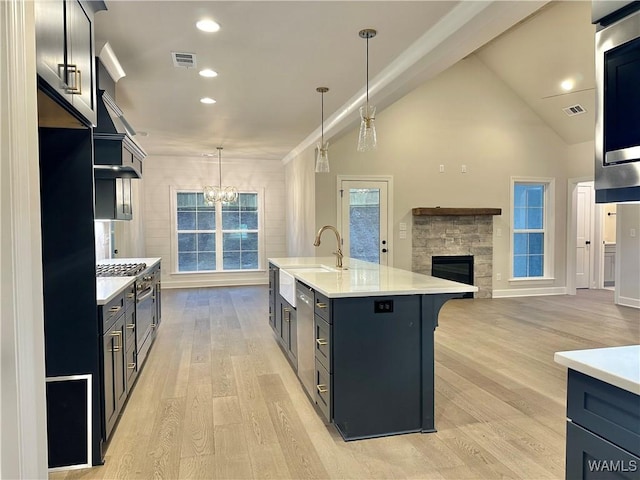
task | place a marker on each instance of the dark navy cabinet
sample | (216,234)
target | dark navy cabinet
(603,430)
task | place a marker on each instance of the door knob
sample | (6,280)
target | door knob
(384,250)
(588,242)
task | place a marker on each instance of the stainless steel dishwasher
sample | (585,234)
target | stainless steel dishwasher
(306,340)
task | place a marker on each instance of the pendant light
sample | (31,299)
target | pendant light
(322,150)
(213,194)
(367,139)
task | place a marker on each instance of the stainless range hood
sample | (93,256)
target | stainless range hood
(116,153)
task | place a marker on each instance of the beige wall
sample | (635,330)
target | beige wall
(628,261)
(580,160)
(161,173)
(465,116)
(300,212)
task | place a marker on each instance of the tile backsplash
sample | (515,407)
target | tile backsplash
(103,240)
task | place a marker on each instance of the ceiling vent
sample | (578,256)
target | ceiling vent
(185,60)
(574,110)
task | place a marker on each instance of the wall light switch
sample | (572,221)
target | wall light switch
(632,232)
(403,226)
(441,168)
(403,234)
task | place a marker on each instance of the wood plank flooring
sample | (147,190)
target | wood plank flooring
(217,399)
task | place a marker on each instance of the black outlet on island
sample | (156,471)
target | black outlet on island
(383,306)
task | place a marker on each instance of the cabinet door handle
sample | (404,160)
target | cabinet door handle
(321,341)
(321,305)
(131,326)
(118,347)
(115,309)
(322,388)
(131,366)
(76,87)
(287,316)
(131,295)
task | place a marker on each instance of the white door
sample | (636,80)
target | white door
(364,217)
(583,239)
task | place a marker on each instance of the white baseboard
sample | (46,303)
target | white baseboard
(629,302)
(528,292)
(204,283)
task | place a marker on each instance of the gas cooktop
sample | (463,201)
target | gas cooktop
(120,269)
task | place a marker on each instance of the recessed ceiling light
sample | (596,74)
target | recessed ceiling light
(208,26)
(207,72)
(567,85)
(207,100)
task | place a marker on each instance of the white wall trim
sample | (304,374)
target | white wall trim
(529,292)
(628,302)
(23,437)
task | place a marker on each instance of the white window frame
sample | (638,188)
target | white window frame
(174,190)
(548,228)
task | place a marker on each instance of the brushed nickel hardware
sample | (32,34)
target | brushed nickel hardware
(321,305)
(76,88)
(287,317)
(131,366)
(131,326)
(131,295)
(153,325)
(338,252)
(321,341)
(322,388)
(118,347)
(115,308)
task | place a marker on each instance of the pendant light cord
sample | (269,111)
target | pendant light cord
(322,118)
(367,75)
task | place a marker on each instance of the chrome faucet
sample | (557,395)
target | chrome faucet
(338,252)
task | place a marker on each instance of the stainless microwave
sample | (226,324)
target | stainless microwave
(617,141)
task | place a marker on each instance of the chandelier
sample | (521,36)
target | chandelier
(367,139)
(322,151)
(214,194)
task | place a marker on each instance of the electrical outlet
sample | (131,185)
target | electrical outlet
(632,232)
(441,168)
(463,169)
(383,306)
(498,232)
(498,276)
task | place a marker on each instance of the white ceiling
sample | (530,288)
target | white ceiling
(271,56)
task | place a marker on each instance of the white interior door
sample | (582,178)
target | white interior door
(583,238)
(364,219)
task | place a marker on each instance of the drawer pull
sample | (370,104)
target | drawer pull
(322,388)
(131,326)
(115,309)
(131,295)
(321,341)
(131,366)
(321,305)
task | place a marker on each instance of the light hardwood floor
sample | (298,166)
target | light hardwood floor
(217,399)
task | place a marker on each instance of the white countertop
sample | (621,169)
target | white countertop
(619,366)
(109,287)
(365,279)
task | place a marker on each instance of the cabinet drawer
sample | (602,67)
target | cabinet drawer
(111,311)
(323,307)
(323,342)
(323,391)
(591,457)
(606,410)
(130,297)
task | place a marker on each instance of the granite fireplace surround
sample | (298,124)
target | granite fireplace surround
(455,231)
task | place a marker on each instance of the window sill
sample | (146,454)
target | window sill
(221,272)
(532,280)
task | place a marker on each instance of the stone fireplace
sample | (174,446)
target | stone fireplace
(455,231)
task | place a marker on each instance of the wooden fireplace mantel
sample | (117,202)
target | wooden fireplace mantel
(456,212)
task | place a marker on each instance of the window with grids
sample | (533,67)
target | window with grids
(221,237)
(529,229)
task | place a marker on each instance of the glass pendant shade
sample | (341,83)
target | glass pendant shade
(367,139)
(214,194)
(322,158)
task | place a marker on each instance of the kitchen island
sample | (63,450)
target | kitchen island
(603,412)
(361,340)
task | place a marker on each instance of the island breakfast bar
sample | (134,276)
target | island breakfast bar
(361,340)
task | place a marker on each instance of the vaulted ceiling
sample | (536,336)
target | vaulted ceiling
(270,57)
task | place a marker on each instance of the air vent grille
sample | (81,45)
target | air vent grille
(574,110)
(184,60)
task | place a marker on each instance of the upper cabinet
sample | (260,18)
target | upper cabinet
(65,53)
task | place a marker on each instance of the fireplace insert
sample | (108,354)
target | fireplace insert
(458,268)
